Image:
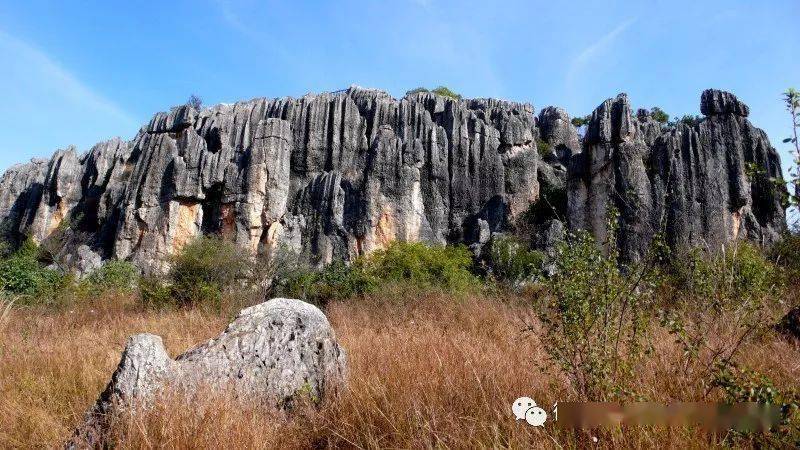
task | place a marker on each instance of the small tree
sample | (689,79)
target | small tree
(580,121)
(659,115)
(691,120)
(195,102)
(792,100)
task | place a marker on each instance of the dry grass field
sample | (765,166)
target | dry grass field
(427,370)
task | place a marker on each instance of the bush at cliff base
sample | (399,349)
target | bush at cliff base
(22,274)
(411,264)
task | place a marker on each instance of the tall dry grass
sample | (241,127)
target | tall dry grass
(426,370)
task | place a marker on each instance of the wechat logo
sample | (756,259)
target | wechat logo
(524,408)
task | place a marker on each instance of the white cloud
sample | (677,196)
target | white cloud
(57,79)
(596,48)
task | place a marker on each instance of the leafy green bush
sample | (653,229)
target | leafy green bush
(581,121)
(419,265)
(513,262)
(691,120)
(740,275)
(23,274)
(155,293)
(741,384)
(543,147)
(446,92)
(659,115)
(448,267)
(786,254)
(335,281)
(595,317)
(720,303)
(114,275)
(204,268)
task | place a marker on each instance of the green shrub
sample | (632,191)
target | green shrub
(335,281)
(543,147)
(659,115)
(595,317)
(741,384)
(23,274)
(691,120)
(786,254)
(114,275)
(419,265)
(581,121)
(155,293)
(513,262)
(720,303)
(204,268)
(448,267)
(740,275)
(446,92)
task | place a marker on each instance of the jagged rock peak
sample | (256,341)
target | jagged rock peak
(556,129)
(714,103)
(612,121)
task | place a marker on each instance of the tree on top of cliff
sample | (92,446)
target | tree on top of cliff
(446,92)
(659,115)
(195,102)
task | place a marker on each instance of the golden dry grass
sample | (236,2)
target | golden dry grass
(426,370)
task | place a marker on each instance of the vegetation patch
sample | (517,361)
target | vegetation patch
(413,264)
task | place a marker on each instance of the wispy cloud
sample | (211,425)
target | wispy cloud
(230,17)
(58,79)
(596,48)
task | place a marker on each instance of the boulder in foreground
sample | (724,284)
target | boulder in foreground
(271,352)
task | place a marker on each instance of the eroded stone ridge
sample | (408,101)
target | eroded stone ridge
(336,175)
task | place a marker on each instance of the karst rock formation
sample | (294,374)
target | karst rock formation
(337,175)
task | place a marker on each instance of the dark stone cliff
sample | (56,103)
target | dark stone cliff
(333,176)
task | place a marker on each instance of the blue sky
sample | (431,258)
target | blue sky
(77,72)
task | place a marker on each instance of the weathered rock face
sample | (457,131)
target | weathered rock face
(704,184)
(333,176)
(271,352)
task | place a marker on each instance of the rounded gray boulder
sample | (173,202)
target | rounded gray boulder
(270,353)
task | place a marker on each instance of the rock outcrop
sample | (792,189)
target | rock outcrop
(271,353)
(337,175)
